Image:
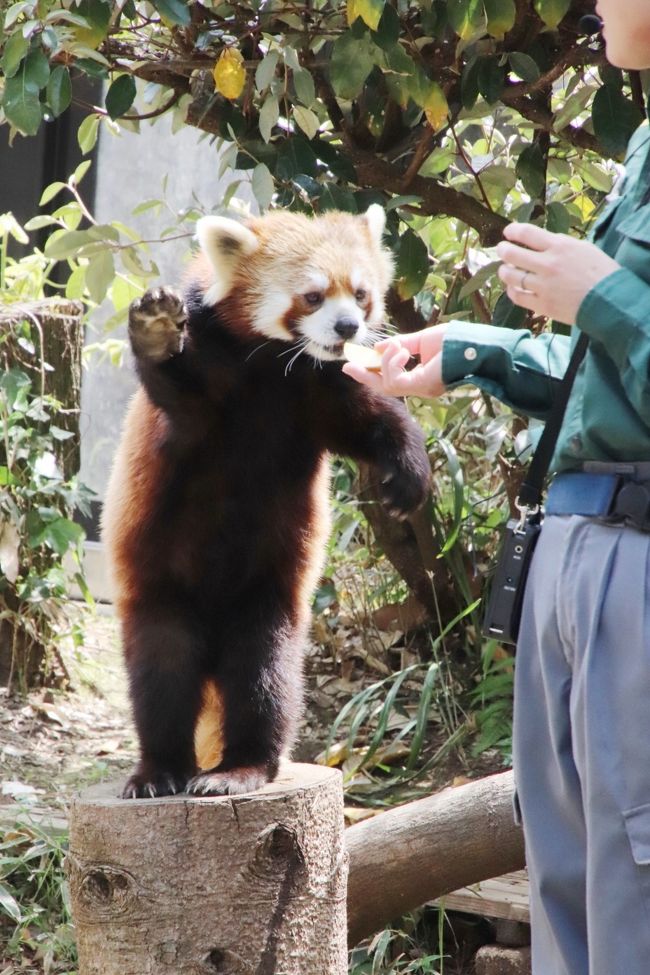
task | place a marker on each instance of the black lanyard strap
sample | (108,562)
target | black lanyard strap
(530,492)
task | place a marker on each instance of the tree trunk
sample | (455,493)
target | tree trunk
(240,885)
(58,341)
(425,849)
(54,367)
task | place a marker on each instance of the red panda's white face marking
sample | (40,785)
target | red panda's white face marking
(312,283)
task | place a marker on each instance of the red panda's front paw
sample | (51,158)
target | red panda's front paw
(141,786)
(405,488)
(234,782)
(156,324)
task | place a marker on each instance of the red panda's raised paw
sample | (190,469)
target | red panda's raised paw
(156,323)
(231,783)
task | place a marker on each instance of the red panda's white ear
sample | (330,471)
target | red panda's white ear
(226,243)
(375,217)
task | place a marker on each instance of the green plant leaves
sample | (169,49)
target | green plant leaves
(59,90)
(175,11)
(552,11)
(615,118)
(352,61)
(412,265)
(501,16)
(120,96)
(531,169)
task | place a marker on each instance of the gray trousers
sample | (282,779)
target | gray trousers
(582,748)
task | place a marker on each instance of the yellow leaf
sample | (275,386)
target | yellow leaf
(370,12)
(436,107)
(229,73)
(552,11)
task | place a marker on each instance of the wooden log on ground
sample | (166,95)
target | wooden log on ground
(418,852)
(239,885)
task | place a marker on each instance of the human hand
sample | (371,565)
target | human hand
(394,380)
(550,273)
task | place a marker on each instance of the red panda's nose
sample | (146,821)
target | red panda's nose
(346,327)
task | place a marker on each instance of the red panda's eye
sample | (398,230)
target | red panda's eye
(360,294)
(313,298)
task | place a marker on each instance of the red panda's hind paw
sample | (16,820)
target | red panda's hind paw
(156,323)
(140,786)
(233,782)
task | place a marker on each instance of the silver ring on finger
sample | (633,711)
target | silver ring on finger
(524,275)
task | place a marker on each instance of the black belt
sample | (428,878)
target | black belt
(616,493)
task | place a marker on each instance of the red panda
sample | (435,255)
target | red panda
(216,515)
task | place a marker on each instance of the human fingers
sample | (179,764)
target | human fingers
(521,280)
(367,378)
(521,257)
(426,343)
(530,235)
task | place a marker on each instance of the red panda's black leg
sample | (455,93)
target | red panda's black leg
(165,685)
(379,430)
(260,683)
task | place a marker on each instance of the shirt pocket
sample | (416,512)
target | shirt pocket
(633,251)
(637,826)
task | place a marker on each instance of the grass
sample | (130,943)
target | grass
(36,933)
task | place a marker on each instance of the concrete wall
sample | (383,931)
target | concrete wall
(131,168)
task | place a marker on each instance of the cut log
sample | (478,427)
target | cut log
(418,852)
(243,885)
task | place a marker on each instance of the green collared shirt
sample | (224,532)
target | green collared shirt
(608,414)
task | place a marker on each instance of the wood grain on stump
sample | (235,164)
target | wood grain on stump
(237,885)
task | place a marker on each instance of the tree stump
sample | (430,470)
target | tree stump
(239,885)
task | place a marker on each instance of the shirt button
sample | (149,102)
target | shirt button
(470,353)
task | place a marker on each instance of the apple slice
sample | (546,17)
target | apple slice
(362,356)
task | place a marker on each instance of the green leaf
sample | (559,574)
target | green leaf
(120,96)
(552,11)
(352,61)
(412,265)
(490,79)
(99,275)
(523,66)
(66,243)
(296,156)
(469,83)
(59,90)
(263,186)
(615,118)
(60,535)
(174,10)
(265,71)
(36,69)
(50,192)
(501,16)
(558,218)
(269,115)
(15,50)
(467,17)
(9,905)
(507,314)
(87,134)
(531,170)
(307,120)
(305,88)
(21,104)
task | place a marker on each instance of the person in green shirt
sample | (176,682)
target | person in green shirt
(581,736)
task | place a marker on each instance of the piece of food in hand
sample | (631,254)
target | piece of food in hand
(362,356)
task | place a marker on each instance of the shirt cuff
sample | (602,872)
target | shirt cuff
(465,347)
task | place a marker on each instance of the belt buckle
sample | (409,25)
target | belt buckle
(631,504)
